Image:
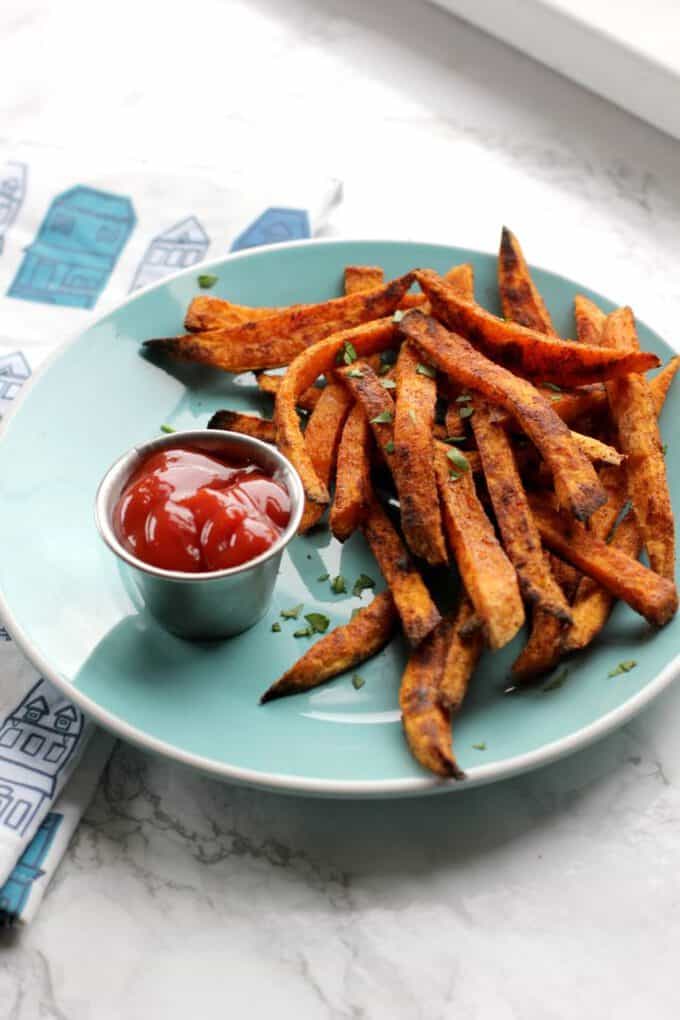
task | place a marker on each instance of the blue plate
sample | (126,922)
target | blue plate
(69,608)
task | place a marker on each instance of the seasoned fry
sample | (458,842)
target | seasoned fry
(427,723)
(342,649)
(488,575)
(520,535)
(462,655)
(322,438)
(418,613)
(246,424)
(576,483)
(278,339)
(271,383)
(368,390)
(205,313)
(362,278)
(661,382)
(368,339)
(462,279)
(545,358)
(652,596)
(520,298)
(632,408)
(352,477)
(589,320)
(596,450)
(413,459)
(543,649)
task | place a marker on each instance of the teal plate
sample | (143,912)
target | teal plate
(66,603)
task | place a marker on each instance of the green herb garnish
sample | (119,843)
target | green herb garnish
(338,585)
(291,614)
(389,446)
(622,514)
(455,439)
(355,373)
(362,582)
(664,449)
(389,384)
(458,459)
(556,682)
(357,682)
(347,354)
(323,577)
(454,475)
(466,412)
(552,386)
(318,622)
(207,280)
(398,315)
(384,418)
(480,747)
(623,667)
(167,429)
(427,370)
(463,398)
(276,627)
(303,632)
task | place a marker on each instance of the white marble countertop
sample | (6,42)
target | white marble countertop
(543,898)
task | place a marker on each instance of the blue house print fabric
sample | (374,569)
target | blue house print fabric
(76,249)
(13,177)
(180,246)
(273,226)
(37,739)
(16,890)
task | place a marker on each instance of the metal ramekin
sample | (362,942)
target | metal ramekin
(206,605)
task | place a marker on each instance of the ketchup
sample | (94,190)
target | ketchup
(190,511)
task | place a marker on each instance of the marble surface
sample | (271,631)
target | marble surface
(541,898)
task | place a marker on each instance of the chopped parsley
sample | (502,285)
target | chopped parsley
(318,622)
(323,577)
(303,632)
(664,449)
(355,373)
(291,614)
(556,682)
(389,446)
(622,514)
(466,412)
(623,667)
(427,370)
(389,384)
(276,627)
(384,418)
(454,475)
(552,386)
(338,585)
(458,459)
(207,280)
(480,747)
(455,439)
(398,315)
(167,429)
(362,582)
(463,398)
(347,354)
(357,682)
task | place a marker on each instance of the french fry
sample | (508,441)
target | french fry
(521,540)
(205,313)
(462,655)
(426,722)
(520,299)
(462,279)
(412,462)
(368,390)
(418,613)
(534,354)
(632,408)
(543,649)
(597,451)
(576,483)
(661,383)
(278,339)
(322,439)
(352,477)
(649,594)
(271,383)
(359,279)
(489,577)
(369,338)
(589,320)
(344,648)
(246,424)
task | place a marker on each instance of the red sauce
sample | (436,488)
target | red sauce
(189,511)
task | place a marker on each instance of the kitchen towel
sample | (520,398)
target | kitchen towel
(75,239)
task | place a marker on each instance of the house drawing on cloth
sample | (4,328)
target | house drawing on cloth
(180,246)
(76,248)
(14,371)
(16,890)
(37,739)
(273,226)
(13,177)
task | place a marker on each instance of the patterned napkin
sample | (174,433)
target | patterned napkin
(75,239)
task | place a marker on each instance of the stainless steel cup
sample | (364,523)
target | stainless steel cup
(206,605)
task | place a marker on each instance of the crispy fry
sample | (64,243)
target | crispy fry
(520,535)
(455,425)
(427,723)
(489,577)
(368,390)
(205,313)
(412,462)
(342,649)
(462,655)
(271,383)
(246,424)
(575,480)
(596,450)
(359,279)
(652,596)
(661,382)
(462,279)
(520,298)
(352,477)
(278,339)
(313,362)
(418,613)
(545,358)
(322,438)
(589,320)
(632,408)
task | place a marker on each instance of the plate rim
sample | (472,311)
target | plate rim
(477,775)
